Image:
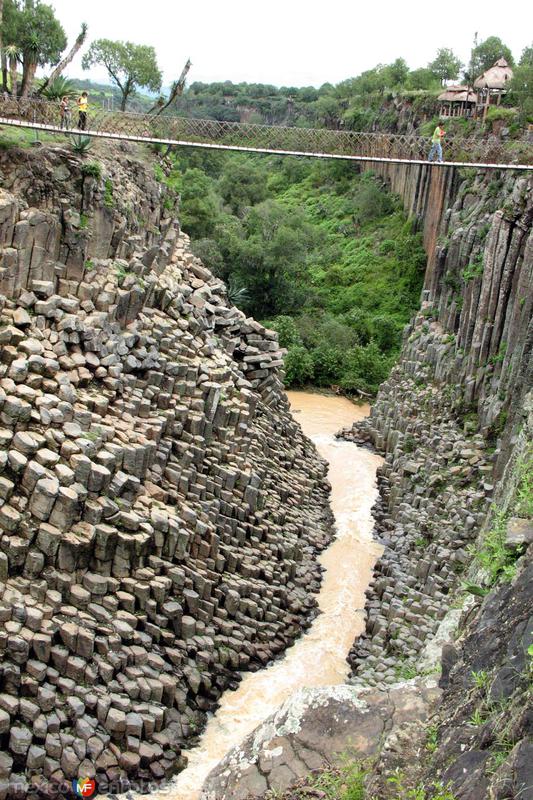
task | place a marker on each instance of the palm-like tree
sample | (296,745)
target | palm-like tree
(31,61)
(12,53)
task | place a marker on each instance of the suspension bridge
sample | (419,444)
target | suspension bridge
(482,153)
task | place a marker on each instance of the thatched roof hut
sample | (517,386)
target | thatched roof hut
(457,94)
(497,77)
(457,101)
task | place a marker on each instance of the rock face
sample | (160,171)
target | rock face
(454,422)
(160,510)
(317,727)
(445,420)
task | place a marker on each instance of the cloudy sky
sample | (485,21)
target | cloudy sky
(294,42)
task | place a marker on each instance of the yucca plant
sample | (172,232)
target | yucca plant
(13,54)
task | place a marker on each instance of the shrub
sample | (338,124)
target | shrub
(287,331)
(92,169)
(108,193)
(365,368)
(328,362)
(208,251)
(385,331)
(298,366)
(360,322)
(508,115)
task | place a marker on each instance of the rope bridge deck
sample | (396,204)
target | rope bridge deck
(488,153)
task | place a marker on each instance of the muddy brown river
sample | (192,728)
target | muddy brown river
(318,658)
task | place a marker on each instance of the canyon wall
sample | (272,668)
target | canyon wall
(438,700)
(454,424)
(160,509)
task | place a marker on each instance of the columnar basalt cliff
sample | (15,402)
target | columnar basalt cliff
(447,416)
(160,510)
(454,423)
(446,641)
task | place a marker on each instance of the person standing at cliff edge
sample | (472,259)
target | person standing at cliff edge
(436,144)
(83,104)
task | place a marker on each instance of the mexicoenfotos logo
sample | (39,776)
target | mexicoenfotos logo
(84,787)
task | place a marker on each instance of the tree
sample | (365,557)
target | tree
(521,86)
(66,60)
(397,72)
(13,55)
(129,65)
(32,31)
(485,54)
(2,54)
(422,78)
(526,59)
(242,184)
(446,65)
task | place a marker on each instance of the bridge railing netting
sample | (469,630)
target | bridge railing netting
(242,134)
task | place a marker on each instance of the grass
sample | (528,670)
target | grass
(23,137)
(432,739)
(477,719)
(109,200)
(437,791)
(523,506)
(336,783)
(481,679)
(406,671)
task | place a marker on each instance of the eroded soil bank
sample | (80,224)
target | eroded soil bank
(319,657)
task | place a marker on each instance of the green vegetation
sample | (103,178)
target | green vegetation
(128,65)
(437,791)
(81,144)
(481,679)
(109,200)
(92,169)
(34,37)
(432,739)
(345,783)
(477,719)
(319,252)
(497,557)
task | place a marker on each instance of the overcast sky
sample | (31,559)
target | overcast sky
(294,42)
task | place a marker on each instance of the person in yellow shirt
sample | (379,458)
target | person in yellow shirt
(436,144)
(83,105)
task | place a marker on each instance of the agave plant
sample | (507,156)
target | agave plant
(237,293)
(60,88)
(81,144)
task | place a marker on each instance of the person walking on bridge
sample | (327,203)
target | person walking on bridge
(64,110)
(436,144)
(83,104)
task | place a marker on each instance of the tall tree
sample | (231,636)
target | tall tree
(40,37)
(129,65)
(397,72)
(66,60)
(521,85)
(446,65)
(13,55)
(3,58)
(526,59)
(487,53)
